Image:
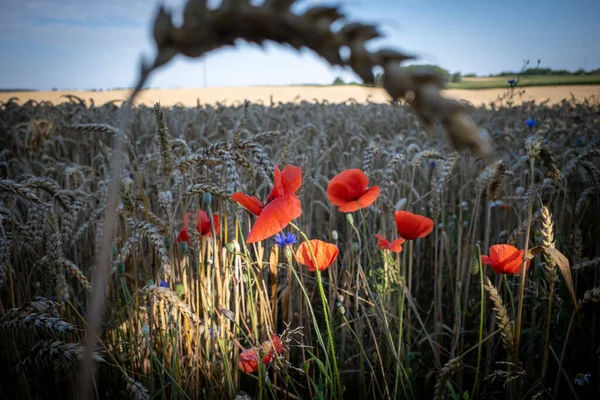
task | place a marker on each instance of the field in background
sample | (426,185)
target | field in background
(332,94)
(501,82)
(423,324)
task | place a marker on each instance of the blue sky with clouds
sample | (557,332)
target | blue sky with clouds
(85,44)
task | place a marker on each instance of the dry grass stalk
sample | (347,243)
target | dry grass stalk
(498,171)
(504,322)
(521,229)
(76,272)
(592,295)
(6,185)
(58,352)
(172,298)
(548,241)
(445,373)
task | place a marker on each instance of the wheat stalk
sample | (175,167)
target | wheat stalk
(504,322)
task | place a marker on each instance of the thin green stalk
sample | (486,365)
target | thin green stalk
(288,255)
(153,356)
(547,339)
(337,383)
(481,317)
(524,264)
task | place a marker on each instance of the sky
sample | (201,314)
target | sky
(91,44)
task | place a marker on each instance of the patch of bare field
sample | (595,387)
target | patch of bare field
(333,94)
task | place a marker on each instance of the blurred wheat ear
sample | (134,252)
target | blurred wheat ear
(204,30)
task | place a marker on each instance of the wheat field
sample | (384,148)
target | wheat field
(415,249)
(295,94)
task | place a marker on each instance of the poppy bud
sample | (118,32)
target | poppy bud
(121,268)
(355,246)
(230,247)
(350,219)
(475,266)
(207,198)
(183,246)
(334,235)
(179,289)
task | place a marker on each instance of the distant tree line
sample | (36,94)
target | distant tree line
(550,71)
(457,76)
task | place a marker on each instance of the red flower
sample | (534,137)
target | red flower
(281,208)
(384,244)
(412,226)
(272,348)
(248,361)
(183,235)
(505,259)
(202,226)
(348,190)
(203,223)
(325,254)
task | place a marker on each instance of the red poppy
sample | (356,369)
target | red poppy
(248,361)
(412,226)
(348,190)
(505,259)
(183,235)
(325,254)
(281,208)
(203,223)
(271,349)
(202,226)
(384,244)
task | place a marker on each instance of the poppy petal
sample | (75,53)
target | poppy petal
(347,186)
(250,203)
(412,226)
(485,260)
(365,200)
(291,179)
(382,242)
(248,361)
(325,254)
(183,235)
(277,190)
(396,245)
(274,217)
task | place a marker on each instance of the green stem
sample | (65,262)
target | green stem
(481,315)
(336,375)
(524,264)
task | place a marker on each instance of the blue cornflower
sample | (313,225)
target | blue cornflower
(512,82)
(432,163)
(283,239)
(164,284)
(531,123)
(582,379)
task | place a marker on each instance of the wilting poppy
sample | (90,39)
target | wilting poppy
(248,361)
(505,259)
(348,190)
(412,226)
(271,349)
(384,244)
(202,226)
(325,254)
(281,208)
